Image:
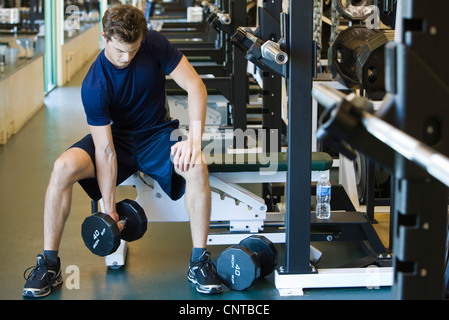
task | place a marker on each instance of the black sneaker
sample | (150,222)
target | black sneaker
(41,278)
(203,274)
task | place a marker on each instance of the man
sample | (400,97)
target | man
(125,104)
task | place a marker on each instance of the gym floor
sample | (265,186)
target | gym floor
(156,265)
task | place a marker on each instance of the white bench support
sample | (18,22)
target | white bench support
(245,211)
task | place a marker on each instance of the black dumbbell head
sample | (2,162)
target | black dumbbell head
(238,267)
(265,251)
(136,219)
(100,234)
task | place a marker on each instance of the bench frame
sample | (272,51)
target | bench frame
(245,212)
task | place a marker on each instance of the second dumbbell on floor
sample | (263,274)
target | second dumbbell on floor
(240,265)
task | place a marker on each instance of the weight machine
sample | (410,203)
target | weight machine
(410,137)
(233,85)
(195,38)
(348,225)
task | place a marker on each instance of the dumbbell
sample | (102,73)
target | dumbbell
(357,60)
(101,234)
(239,265)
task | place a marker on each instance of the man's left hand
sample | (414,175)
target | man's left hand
(186,154)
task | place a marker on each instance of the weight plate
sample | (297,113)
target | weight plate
(343,54)
(136,219)
(355,9)
(100,234)
(238,267)
(265,251)
(370,67)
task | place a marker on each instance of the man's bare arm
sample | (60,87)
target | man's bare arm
(106,166)
(188,153)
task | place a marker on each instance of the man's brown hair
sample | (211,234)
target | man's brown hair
(125,23)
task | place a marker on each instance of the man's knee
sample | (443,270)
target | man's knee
(72,166)
(198,172)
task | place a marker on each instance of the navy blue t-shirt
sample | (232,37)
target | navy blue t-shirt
(132,98)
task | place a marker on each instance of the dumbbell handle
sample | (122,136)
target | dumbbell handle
(122,222)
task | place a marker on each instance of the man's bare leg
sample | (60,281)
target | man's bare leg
(73,165)
(198,205)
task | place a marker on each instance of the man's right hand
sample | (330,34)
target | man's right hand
(114,215)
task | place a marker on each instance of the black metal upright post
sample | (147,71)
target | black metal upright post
(239,73)
(300,73)
(420,88)
(269,29)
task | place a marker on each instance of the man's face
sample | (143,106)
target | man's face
(119,53)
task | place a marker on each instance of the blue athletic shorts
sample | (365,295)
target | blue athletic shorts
(147,151)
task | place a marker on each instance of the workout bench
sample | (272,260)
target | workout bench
(234,208)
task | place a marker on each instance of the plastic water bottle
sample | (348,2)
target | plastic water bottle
(323,198)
